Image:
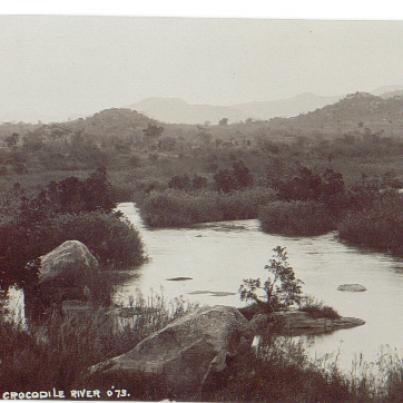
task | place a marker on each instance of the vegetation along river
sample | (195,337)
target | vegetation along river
(215,257)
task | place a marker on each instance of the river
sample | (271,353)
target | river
(217,256)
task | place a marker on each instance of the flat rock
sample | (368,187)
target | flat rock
(351,287)
(212,293)
(298,323)
(179,278)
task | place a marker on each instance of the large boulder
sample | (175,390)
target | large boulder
(66,272)
(68,263)
(186,353)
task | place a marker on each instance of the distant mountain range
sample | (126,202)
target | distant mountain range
(175,110)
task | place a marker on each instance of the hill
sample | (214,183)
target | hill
(359,112)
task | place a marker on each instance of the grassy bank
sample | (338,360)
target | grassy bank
(175,208)
(379,227)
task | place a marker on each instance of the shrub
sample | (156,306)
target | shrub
(316,309)
(113,240)
(299,218)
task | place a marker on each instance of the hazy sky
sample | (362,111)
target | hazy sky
(58,67)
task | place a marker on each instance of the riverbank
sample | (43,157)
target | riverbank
(58,354)
(209,253)
(199,249)
(302,204)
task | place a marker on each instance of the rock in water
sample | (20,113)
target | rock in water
(186,352)
(351,287)
(297,323)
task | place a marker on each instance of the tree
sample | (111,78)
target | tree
(199,182)
(12,140)
(281,288)
(99,193)
(225,181)
(242,174)
(223,122)
(180,182)
(305,185)
(153,132)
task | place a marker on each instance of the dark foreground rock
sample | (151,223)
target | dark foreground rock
(299,323)
(186,353)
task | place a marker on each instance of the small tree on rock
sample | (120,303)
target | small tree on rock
(281,288)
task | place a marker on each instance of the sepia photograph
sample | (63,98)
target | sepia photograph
(201,209)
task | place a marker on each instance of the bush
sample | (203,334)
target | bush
(317,310)
(299,218)
(113,240)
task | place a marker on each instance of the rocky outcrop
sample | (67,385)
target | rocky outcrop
(351,287)
(298,323)
(185,353)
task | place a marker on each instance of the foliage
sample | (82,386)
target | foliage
(316,309)
(112,240)
(301,218)
(306,185)
(281,287)
(379,226)
(73,195)
(71,209)
(153,132)
(239,177)
(173,208)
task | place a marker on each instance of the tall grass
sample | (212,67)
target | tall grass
(279,370)
(299,218)
(56,353)
(379,227)
(174,208)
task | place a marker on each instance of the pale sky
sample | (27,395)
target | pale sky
(60,67)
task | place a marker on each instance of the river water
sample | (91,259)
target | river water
(216,257)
